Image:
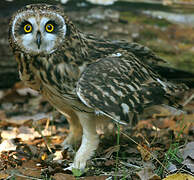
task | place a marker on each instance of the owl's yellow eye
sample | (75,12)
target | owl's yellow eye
(27,28)
(49,28)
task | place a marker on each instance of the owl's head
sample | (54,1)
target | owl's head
(38,29)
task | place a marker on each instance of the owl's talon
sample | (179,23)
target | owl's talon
(73,169)
(69,168)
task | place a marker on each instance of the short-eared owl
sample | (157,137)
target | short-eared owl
(86,78)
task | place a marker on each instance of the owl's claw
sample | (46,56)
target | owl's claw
(73,166)
(69,168)
(79,163)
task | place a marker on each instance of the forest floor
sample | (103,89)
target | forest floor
(31,132)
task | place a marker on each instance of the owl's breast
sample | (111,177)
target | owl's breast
(26,71)
(56,82)
(59,82)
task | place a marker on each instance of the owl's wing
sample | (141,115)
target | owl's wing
(121,86)
(142,52)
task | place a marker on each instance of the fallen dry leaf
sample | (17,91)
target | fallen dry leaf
(188,156)
(8,160)
(28,170)
(189,163)
(171,167)
(111,150)
(7,145)
(109,162)
(44,156)
(58,155)
(180,123)
(179,176)
(188,151)
(38,119)
(61,176)
(145,152)
(3,175)
(26,133)
(148,174)
(9,134)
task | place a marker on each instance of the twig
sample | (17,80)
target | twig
(146,151)
(45,141)
(130,165)
(20,175)
(188,100)
(184,170)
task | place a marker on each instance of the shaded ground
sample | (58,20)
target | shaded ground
(31,130)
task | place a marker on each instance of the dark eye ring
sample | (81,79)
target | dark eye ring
(49,27)
(28,28)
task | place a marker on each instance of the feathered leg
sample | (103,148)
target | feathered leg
(75,129)
(90,140)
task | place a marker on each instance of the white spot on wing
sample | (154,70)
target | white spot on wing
(119,93)
(125,108)
(117,55)
(131,87)
(81,98)
(162,83)
(20,75)
(112,99)
(115,118)
(98,112)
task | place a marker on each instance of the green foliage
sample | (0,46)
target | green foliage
(173,154)
(12,178)
(118,143)
(156,22)
(133,17)
(78,172)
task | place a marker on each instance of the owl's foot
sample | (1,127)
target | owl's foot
(90,141)
(86,150)
(70,168)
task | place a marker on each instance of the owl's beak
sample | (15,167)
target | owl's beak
(38,39)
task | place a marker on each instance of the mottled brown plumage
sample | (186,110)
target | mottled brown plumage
(87,79)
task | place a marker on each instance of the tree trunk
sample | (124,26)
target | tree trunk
(8,66)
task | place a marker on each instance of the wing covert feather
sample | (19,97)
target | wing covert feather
(121,86)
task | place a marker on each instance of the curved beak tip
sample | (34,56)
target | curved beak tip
(38,40)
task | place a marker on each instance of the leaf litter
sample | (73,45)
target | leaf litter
(32,131)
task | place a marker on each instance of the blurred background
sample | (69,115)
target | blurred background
(166,26)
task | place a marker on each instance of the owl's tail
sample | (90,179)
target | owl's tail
(176,75)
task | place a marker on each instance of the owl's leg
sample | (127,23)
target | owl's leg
(90,140)
(75,130)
